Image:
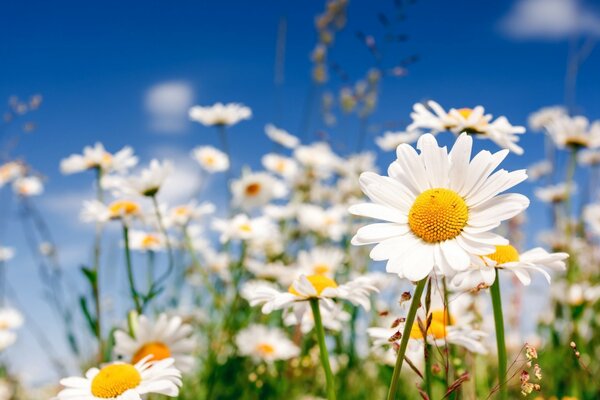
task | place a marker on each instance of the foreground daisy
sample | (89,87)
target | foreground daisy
(266,344)
(220,114)
(470,120)
(481,274)
(122,381)
(439,208)
(167,337)
(574,132)
(97,157)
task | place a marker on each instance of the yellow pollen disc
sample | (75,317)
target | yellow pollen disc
(158,351)
(438,215)
(265,349)
(319,282)
(504,254)
(182,211)
(465,112)
(280,167)
(437,328)
(150,240)
(114,380)
(245,228)
(107,158)
(253,189)
(123,207)
(321,269)
(209,160)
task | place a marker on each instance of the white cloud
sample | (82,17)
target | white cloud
(550,20)
(168,104)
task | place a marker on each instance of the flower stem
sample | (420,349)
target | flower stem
(499,324)
(134,293)
(314,304)
(410,319)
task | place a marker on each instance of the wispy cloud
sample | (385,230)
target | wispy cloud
(167,104)
(550,20)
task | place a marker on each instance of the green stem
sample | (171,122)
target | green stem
(314,305)
(96,268)
(410,319)
(499,324)
(428,348)
(160,280)
(134,293)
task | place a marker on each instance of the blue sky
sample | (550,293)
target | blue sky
(95,63)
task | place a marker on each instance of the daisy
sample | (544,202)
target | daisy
(184,214)
(482,275)
(539,170)
(327,222)
(589,157)
(28,186)
(263,343)
(6,253)
(334,319)
(470,120)
(255,189)
(165,338)
(390,140)
(545,116)
(150,180)
(310,287)
(320,261)
(220,114)
(123,209)
(7,339)
(591,215)
(281,136)
(439,208)
(211,159)
(122,381)
(10,318)
(11,171)
(98,157)
(146,241)
(574,132)
(554,193)
(242,227)
(284,166)
(318,158)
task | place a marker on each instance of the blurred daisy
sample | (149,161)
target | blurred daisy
(28,186)
(97,157)
(554,193)
(211,159)
(242,227)
(309,287)
(123,209)
(122,381)
(589,157)
(539,170)
(281,136)
(320,261)
(262,343)
(470,120)
(327,222)
(481,274)
(6,253)
(439,208)
(10,320)
(591,215)
(150,180)
(334,318)
(146,241)
(545,116)
(390,140)
(7,339)
(11,171)
(284,166)
(165,338)
(184,214)
(255,189)
(317,158)
(220,114)
(574,132)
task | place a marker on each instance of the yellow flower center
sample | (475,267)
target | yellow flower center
(319,282)
(253,189)
(280,166)
(150,240)
(438,215)
(265,349)
(245,227)
(437,328)
(321,269)
(158,351)
(121,208)
(504,254)
(107,158)
(577,141)
(465,112)
(209,160)
(114,380)
(182,211)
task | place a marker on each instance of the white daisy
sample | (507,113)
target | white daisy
(329,222)
(574,132)
(390,140)
(589,157)
(122,381)
(98,157)
(242,227)
(6,253)
(554,193)
(481,274)
(123,209)
(544,116)
(591,215)
(281,165)
(11,171)
(334,318)
(28,186)
(146,241)
(439,208)
(317,158)
(539,170)
(184,214)
(165,338)
(255,189)
(7,339)
(10,318)
(281,136)
(320,261)
(220,114)
(211,159)
(263,343)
